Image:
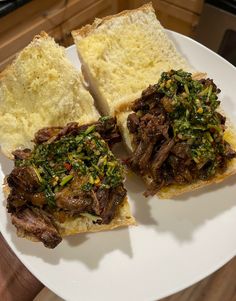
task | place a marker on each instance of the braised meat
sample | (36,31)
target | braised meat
(22,154)
(110,202)
(24,178)
(71,171)
(37,224)
(177,134)
(105,126)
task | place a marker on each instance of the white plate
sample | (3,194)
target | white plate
(177,242)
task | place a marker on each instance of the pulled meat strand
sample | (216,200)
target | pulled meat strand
(161,156)
(37,223)
(107,129)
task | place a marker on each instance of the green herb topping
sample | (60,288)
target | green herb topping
(191,106)
(85,155)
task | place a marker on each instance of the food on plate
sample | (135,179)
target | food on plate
(66,180)
(122,54)
(176,135)
(69,183)
(180,139)
(40,88)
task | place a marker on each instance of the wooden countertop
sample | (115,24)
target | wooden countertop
(17,283)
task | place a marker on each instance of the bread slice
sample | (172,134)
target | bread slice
(40,88)
(122,54)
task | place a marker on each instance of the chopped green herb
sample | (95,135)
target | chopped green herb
(49,195)
(66,179)
(193,115)
(90,129)
(85,155)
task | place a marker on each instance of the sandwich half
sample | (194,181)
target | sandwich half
(65,179)
(180,137)
(136,74)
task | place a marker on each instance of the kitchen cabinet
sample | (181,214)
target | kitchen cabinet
(178,15)
(57,17)
(60,17)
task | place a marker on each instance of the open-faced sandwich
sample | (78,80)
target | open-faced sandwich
(65,179)
(170,121)
(180,139)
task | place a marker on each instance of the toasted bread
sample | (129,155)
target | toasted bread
(122,54)
(40,88)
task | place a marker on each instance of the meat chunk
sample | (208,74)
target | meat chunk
(161,156)
(24,178)
(116,197)
(229,152)
(181,150)
(37,223)
(45,134)
(22,154)
(108,130)
(76,201)
(102,196)
(17,198)
(133,122)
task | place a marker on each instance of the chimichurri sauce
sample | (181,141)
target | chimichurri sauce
(85,155)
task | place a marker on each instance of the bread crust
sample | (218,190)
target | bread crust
(176,190)
(41,35)
(90,28)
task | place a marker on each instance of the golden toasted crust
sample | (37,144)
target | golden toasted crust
(122,218)
(89,28)
(41,35)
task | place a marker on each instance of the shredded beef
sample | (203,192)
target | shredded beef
(133,122)
(21,154)
(159,155)
(23,178)
(27,202)
(181,149)
(116,197)
(37,223)
(107,128)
